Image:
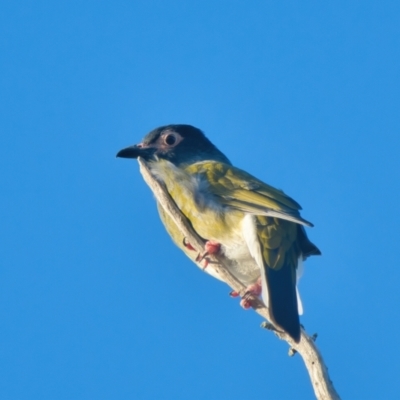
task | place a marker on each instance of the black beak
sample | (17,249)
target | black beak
(135,152)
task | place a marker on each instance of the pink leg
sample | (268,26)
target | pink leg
(199,257)
(252,291)
(188,245)
(211,247)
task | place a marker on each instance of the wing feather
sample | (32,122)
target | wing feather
(238,189)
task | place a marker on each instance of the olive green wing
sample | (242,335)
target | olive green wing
(273,232)
(238,189)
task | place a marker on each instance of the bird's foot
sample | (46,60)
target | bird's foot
(211,247)
(188,245)
(252,291)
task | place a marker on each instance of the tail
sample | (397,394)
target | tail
(281,298)
(277,245)
(307,248)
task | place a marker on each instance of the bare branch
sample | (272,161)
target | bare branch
(317,370)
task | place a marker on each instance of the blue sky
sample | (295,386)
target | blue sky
(95,301)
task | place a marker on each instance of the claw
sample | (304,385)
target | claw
(210,247)
(199,257)
(245,303)
(188,245)
(252,291)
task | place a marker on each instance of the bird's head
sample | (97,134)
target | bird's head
(180,144)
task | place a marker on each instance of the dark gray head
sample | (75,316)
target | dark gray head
(180,144)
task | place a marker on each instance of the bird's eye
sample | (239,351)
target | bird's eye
(170,140)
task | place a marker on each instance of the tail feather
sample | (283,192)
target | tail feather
(282,299)
(307,247)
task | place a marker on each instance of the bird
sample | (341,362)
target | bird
(257,227)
